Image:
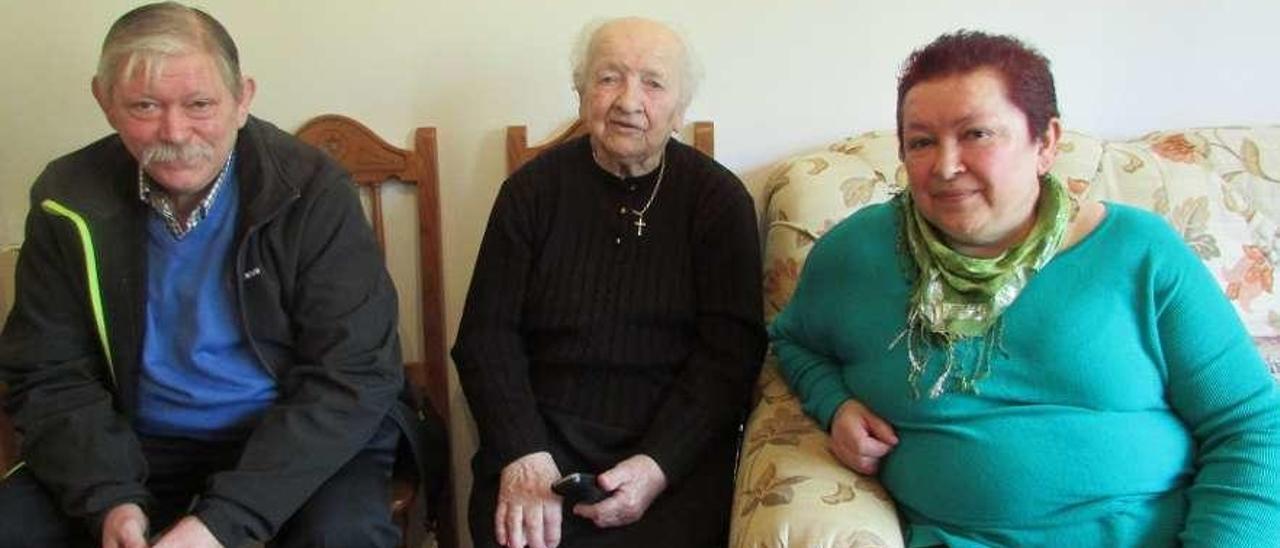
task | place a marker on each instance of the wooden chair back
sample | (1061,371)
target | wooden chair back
(8,437)
(373,165)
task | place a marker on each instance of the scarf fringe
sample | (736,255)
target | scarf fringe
(954,297)
(955,376)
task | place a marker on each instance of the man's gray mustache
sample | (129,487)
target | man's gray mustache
(186,154)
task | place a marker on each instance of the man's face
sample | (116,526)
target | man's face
(179,121)
(631,99)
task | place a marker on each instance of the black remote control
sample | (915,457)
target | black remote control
(579,488)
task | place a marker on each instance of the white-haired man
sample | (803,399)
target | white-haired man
(613,325)
(203,348)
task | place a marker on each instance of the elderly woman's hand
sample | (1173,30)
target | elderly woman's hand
(528,512)
(635,482)
(859,438)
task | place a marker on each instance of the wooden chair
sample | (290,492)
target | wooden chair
(8,437)
(519,151)
(374,164)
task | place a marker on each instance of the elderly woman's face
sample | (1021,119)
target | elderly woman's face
(631,100)
(974,170)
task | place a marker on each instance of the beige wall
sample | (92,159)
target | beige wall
(782,76)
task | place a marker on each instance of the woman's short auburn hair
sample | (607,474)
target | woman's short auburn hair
(1024,71)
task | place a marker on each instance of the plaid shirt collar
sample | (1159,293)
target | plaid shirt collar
(159,201)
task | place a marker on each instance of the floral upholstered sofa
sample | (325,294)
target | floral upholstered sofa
(1219,187)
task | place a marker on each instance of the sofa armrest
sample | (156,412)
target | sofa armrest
(790,491)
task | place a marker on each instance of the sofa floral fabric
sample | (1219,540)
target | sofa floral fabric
(792,492)
(1218,187)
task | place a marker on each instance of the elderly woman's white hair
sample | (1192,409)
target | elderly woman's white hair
(690,65)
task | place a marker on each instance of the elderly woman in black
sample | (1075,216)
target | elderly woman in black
(613,324)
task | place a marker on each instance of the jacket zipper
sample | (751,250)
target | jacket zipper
(91,275)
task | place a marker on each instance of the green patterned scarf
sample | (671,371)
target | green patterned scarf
(956,297)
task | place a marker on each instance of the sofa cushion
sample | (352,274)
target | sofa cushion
(1270,348)
(810,194)
(1213,186)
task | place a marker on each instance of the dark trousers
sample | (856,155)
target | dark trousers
(349,509)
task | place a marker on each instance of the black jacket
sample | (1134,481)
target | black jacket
(316,303)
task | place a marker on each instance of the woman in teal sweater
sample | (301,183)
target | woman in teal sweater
(1018,367)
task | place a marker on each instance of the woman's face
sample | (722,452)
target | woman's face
(974,170)
(631,102)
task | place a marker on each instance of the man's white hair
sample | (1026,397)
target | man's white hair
(147,35)
(690,66)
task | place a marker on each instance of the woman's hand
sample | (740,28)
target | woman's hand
(528,513)
(859,438)
(635,482)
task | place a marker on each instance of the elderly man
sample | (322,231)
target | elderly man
(613,325)
(203,348)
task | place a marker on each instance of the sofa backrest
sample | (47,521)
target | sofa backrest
(1218,187)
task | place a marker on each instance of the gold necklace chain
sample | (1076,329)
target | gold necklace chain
(639,213)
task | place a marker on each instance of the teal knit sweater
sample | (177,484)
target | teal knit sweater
(1128,408)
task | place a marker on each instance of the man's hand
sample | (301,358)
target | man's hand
(125,527)
(635,482)
(859,438)
(528,512)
